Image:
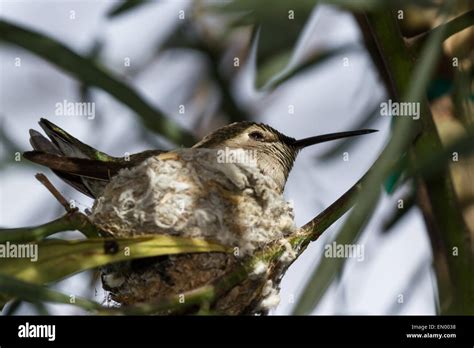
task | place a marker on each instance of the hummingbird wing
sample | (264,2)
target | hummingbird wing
(86,169)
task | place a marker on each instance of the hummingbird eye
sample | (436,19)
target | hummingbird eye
(257,136)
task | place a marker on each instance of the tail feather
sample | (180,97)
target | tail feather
(81,166)
(40,143)
(63,153)
(69,145)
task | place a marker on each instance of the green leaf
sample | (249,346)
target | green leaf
(61,258)
(89,73)
(277,70)
(398,214)
(272,69)
(125,6)
(13,288)
(374,5)
(434,163)
(278,34)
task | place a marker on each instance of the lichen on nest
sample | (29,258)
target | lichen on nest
(190,193)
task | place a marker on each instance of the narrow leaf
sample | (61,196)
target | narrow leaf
(14,288)
(57,259)
(125,6)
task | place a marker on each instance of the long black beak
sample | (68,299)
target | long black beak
(328,137)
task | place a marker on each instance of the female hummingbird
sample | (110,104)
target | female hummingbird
(194,195)
(89,170)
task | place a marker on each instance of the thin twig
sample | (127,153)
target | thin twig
(54,191)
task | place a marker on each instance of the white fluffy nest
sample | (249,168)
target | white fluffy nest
(189,193)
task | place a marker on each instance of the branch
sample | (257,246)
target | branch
(69,222)
(54,191)
(314,228)
(448,29)
(373,46)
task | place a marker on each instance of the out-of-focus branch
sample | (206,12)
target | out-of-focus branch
(448,29)
(375,52)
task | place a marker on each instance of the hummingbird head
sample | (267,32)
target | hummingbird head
(273,151)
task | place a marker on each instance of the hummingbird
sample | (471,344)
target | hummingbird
(89,170)
(142,194)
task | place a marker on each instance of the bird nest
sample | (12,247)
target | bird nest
(192,193)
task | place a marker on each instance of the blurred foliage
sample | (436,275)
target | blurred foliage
(411,81)
(279,24)
(92,74)
(403,135)
(277,71)
(12,287)
(125,6)
(408,201)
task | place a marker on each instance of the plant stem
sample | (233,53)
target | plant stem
(68,222)
(448,29)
